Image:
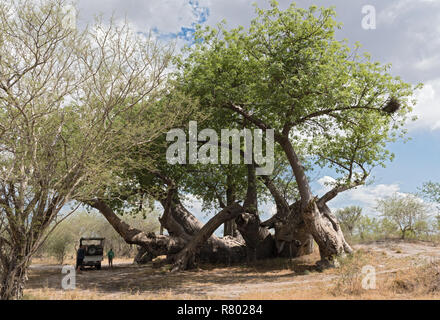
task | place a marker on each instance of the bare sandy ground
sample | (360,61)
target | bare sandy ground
(267,279)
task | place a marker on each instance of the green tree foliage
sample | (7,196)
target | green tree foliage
(58,244)
(289,72)
(328,104)
(431,190)
(73,104)
(349,217)
(366,228)
(407,212)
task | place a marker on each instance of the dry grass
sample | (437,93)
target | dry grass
(423,280)
(404,275)
(349,274)
(51,294)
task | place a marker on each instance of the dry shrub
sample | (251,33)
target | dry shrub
(349,274)
(420,280)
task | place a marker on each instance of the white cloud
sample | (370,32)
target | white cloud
(397,9)
(326,183)
(427,109)
(267,210)
(365,196)
(409,38)
(168,16)
(392,12)
(370,194)
(428,63)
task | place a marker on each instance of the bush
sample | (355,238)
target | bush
(349,218)
(59,244)
(350,274)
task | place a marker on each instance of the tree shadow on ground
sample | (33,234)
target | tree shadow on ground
(131,278)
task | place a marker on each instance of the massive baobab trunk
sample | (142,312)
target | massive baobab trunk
(230,227)
(317,217)
(260,242)
(153,245)
(186,257)
(319,220)
(291,234)
(188,240)
(182,226)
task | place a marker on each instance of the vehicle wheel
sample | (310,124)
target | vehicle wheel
(91,250)
(98,266)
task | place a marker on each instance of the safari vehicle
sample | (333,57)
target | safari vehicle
(94,251)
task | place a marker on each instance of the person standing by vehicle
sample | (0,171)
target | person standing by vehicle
(110,256)
(80,257)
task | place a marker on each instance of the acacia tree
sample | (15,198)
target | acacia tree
(325,102)
(407,212)
(431,190)
(66,97)
(349,217)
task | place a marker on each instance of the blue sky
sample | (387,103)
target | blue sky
(416,161)
(407,35)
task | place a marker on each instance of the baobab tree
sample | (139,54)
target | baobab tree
(328,107)
(84,114)
(325,102)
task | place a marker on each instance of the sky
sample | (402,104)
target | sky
(407,35)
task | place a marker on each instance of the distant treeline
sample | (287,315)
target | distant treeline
(64,241)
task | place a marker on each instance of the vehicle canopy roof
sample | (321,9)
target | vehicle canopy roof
(92,241)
